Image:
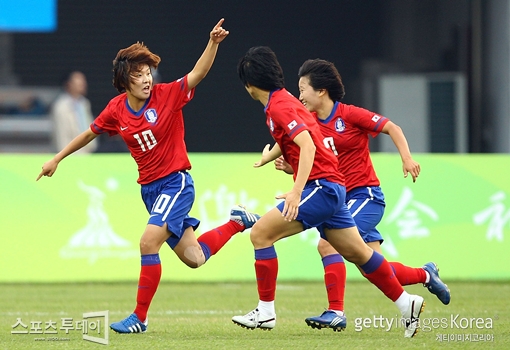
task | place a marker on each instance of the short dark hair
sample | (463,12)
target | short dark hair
(130,60)
(259,67)
(323,75)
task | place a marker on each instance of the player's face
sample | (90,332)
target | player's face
(307,95)
(141,83)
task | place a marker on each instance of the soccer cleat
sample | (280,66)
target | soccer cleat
(411,317)
(328,319)
(252,320)
(130,324)
(435,285)
(243,217)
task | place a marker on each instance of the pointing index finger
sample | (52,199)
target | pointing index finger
(219,23)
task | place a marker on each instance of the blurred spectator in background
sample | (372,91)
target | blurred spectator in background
(71,113)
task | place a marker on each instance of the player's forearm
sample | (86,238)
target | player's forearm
(306,157)
(203,64)
(77,143)
(400,141)
(273,153)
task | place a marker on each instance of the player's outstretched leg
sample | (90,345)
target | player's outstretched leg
(378,271)
(435,285)
(130,324)
(213,240)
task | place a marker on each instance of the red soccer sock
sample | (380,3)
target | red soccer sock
(335,275)
(266,271)
(408,275)
(378,271)
(150,276)
(218,237)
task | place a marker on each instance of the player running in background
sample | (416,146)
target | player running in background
(150,121)
(317,198)
(345,129)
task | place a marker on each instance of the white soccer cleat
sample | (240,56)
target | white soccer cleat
(252,320)
(411,318)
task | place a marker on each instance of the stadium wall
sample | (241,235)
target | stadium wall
(84,223)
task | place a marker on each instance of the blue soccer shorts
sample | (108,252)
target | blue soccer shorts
(323,206)
(169,200)
(366,205)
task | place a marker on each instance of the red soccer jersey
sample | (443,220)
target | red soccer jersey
(155,134)
(286,117)
(346,130)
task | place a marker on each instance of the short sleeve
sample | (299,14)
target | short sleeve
(105,122)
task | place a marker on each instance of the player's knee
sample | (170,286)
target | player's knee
(325,248)
(262,236)
(358,256)
(147,247)
(258,239)
(194,257)
(321,246)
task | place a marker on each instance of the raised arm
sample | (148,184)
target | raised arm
(205,61)
(80,141)
(400,141)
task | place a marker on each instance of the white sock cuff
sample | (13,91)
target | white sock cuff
(403,302)
(427,278)
(266,307)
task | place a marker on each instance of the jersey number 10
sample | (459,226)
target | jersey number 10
(148,142)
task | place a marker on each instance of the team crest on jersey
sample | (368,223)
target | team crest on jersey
(271,125)
(151,115)
(339,125)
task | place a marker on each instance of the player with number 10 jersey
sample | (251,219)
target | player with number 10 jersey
(154,134)
(149,119)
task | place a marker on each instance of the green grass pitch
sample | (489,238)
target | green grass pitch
(198,316)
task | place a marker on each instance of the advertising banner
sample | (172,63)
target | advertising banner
(85,222)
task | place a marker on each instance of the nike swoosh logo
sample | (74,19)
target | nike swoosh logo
(123,128)
(261,323)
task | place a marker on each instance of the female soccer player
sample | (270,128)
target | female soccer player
(345,129)
(317,198)
(150,121)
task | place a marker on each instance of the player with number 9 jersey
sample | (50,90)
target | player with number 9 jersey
(346,129)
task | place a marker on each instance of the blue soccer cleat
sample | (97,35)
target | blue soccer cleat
(243,217)
(328,319)
(130,324)
(435,285)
